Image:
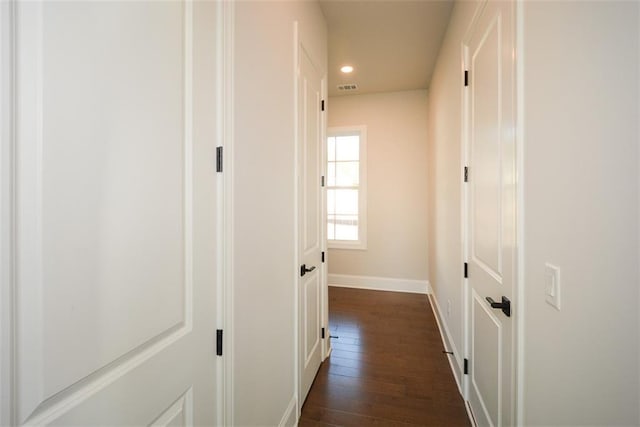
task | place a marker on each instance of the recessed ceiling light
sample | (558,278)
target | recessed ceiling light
(346,69)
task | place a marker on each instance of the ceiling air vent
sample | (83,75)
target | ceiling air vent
(348,87)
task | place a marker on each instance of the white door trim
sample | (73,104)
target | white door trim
(7,206)
(296,221)
(464,214)
(225,133)
(324,276)
(519,290)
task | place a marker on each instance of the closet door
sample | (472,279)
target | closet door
(115,246)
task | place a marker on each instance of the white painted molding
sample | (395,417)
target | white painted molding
(380,283)
(448,342)
(520,293)
(225,47)
(289,418)
(7,205)
(470,414)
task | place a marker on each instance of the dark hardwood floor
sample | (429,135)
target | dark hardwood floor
(386,368)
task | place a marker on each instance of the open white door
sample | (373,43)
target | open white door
(113,314)
(491,213)
(309,220)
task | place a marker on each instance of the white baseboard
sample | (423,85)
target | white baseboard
(380,283)
(289,418)
(448,342)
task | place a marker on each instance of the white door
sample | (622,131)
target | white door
(115,209)
(491,213)
(309,233)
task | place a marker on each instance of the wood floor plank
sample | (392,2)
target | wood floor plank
(387,367)
(362,384)
(349,419)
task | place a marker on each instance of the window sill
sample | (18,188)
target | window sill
(345,244)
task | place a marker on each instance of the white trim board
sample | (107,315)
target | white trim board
(289,418)
(520,293)
(225,19)
(7,205)
(380,283)
(296,224)
(447,341)
(449,345)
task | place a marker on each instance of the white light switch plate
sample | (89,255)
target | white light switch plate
(552,284)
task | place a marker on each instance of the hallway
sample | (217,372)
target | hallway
(181,180)
(386,366)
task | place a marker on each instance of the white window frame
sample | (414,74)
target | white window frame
(361,243)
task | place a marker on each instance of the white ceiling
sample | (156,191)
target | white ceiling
(392,44)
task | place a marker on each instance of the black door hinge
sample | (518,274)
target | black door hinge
(219,342)
(218,159)
(466,174)
(322,181)
(466,366)
(322,105)
(466,77)
(466,270)
(322,256)
(322,332)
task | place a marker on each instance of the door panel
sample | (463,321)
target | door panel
(309,168)
(486,369)
(178,414)
(110,218)
(486,227)
(312,155)
(312,318)
(491,211)
(115,307)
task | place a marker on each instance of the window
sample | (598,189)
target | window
(346,188)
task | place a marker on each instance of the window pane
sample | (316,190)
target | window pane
(343,180)
(346,202)
(348,147)
(331,174)
(331,202)
(346,227)
(331,148)
(347,174)
(331,229)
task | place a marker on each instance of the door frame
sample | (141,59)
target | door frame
(225,17)
(324,271)
(518,303)
(519,290)
(7,206)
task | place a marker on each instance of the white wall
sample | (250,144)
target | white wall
(581,205)
(396,184)
(264,177)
